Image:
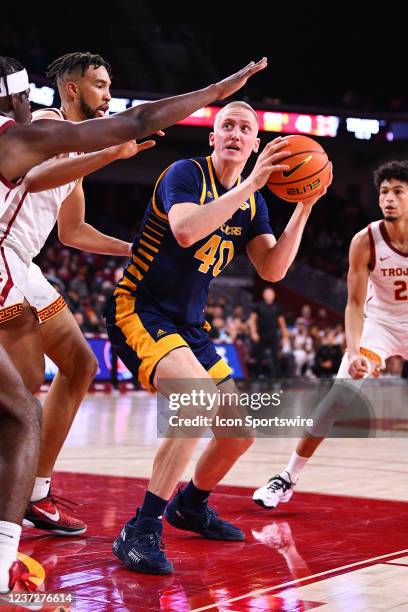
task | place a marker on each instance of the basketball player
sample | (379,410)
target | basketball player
(376,316)
(21,147)
(201,212)
(83,81)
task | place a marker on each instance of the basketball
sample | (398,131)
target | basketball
(309,170)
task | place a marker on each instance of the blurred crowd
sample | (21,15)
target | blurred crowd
(270,343)
(85,280)
(325,244)
(272,346)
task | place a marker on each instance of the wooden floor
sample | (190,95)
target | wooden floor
(341,544)
(116,434)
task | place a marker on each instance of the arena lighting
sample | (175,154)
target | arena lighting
(280,122)
(283,123)
(42,95)
(362,128)
(269,121)
(117,105)
(295,123)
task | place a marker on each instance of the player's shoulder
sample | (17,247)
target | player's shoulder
(188,164)
(362,238)
(183,169)
(47,113)
(361,248)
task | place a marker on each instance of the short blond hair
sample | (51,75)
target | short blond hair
(239,104)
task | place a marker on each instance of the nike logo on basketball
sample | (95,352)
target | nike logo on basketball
(384,258)
(53,517)
(287,173)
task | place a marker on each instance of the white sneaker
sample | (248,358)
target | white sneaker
(277,490)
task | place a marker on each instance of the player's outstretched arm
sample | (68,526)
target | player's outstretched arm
(56,172)
(33,143)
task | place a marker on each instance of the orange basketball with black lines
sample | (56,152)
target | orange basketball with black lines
(308,172)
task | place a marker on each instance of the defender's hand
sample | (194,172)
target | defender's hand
(130,148)
(231,84)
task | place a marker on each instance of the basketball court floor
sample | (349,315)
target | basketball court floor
(340,544)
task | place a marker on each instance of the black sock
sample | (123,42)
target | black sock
(194,498)
(153,506)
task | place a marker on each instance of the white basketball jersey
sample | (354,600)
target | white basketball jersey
(27,219)
(5,185)
(387,296)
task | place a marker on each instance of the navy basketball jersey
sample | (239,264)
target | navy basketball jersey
(173,279)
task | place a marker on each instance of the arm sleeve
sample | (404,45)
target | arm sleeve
(181,183)
(260,224)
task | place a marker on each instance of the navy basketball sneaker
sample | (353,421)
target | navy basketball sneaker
(207,523)
(140,547)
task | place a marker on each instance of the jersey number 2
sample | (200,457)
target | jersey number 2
(214,252)
(401,290)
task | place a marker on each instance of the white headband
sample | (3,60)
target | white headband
(17,82)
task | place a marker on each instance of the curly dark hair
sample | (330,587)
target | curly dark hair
(75,63)
(9,65)
(397,170)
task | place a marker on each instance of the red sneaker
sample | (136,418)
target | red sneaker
(46,514)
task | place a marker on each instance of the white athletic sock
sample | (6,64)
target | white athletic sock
(295,466)
(41,488)
(9,539)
